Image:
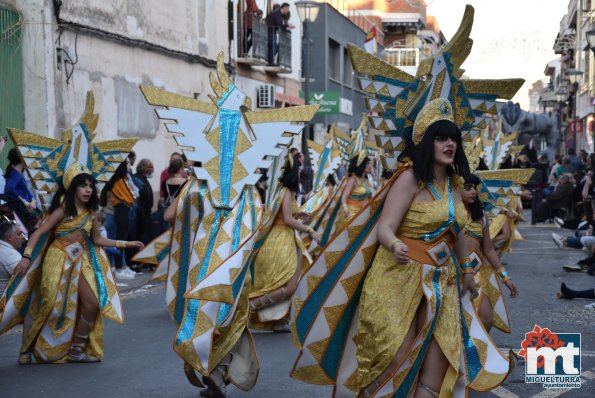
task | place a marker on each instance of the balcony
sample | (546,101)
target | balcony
(404,58)
(254,50)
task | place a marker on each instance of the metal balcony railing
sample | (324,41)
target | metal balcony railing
(402,56)
(259,40)
(261,43)
(284,56)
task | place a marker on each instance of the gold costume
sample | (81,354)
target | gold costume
(485,277)
(278,259)
(358,198)
(393,292)
(53,317)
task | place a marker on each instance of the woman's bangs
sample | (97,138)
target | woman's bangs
(445,128)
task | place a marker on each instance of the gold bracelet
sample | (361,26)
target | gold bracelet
(468,271)
(309,230)
(120,244)
(28,252)
(394,244)
(503,275)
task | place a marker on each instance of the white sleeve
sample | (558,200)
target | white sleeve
(11,260)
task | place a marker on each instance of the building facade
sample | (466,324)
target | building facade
(54,52)
(571,92)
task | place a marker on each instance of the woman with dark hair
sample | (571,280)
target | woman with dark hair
(17,193)
(278,262)
(414,346)
(76,281)
(177,177)
(16,184)
(358,190)
(487,264)
(122,200)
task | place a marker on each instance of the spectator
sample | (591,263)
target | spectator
(543,166)
(174,183)
(16,184)
(556,171)
(135,186)
(165,173)
(17,193)
(11,240)
(569,294)
(144,171)
(574,162)
(122,201)
(276,21)
(111,252)
(582,238)
(583,157)
(559,199)
(252,10)
(2,180)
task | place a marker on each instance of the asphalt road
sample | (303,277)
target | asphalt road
(140,362)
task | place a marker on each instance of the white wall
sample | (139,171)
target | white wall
(114,70)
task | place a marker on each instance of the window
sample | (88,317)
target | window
(334,60)
(347,69)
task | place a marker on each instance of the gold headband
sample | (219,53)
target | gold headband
(72,171)
(435,110)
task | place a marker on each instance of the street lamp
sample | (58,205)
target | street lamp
(573,75)
(591,39)
(561,96)
(308,12)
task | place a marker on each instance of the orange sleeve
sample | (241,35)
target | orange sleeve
(121,193)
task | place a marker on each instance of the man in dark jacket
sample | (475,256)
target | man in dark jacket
(275,21)
(559,199)
(144,171)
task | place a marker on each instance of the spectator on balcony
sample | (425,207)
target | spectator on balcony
(252,10)
(275,21)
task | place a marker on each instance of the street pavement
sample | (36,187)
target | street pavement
(139,360)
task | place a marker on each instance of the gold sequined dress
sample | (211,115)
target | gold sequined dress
(359,196)
(355,305)
(485,276)
(277,261)
(51,319)
(393,292)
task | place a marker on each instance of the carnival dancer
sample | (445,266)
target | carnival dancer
(280,260)
(205,256)
(488,268)
(420,229)
(367,324)
(70,282)
(76,281)
(358,189)
(412,339)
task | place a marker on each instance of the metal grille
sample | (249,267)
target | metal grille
(285,49)
(11,76)
(259,39)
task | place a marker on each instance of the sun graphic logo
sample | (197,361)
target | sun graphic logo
(552,359)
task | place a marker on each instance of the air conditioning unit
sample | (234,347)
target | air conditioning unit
(266,96)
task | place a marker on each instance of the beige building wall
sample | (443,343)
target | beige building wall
(110,47)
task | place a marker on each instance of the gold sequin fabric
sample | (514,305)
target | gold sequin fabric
(54,317)
(276,261)
(393,292)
